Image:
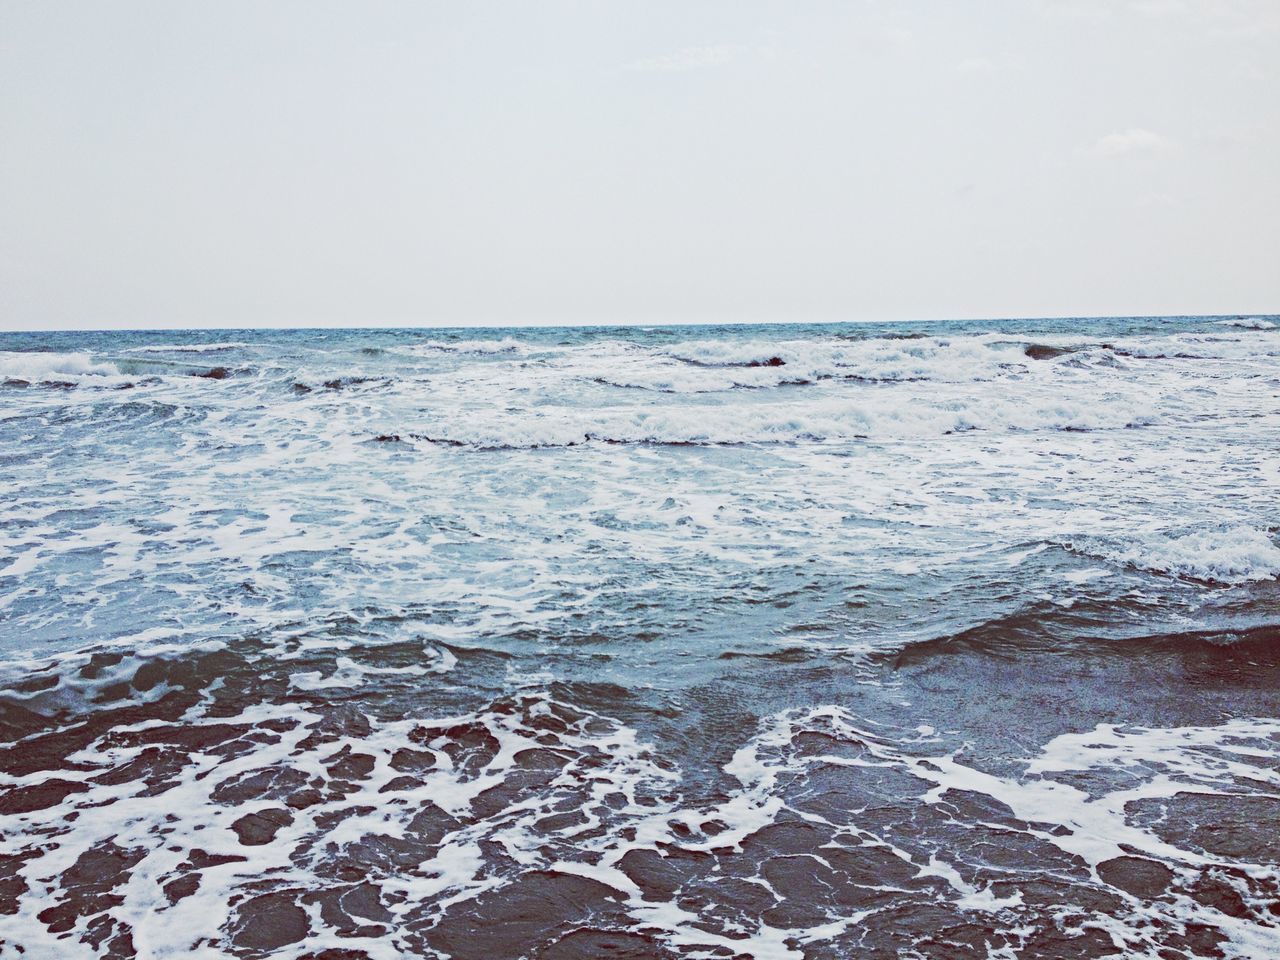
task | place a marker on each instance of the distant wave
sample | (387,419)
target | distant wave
(1248,323)
(705,366)
(717,425)
(505,345)
(957,359)
(187,347)
(699,366)
(1217,346)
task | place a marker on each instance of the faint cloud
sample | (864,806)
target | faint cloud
(1131,141)
(1086,10)
(686,58)
(1220,19)
(1232,138)
(977,66)
(1160,8)
(1254,30)
(899,36)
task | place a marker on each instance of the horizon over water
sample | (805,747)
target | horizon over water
(623,325)
(918,639)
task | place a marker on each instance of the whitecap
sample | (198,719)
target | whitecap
(505,345)
(1248,323)
(48,367)
(1233,555)
(187,347)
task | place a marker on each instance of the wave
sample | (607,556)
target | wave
(954,360)
(1118,626)
(711,366)
(681,379)
(1248,323)
(779,423)
(1218,346)
(800,368)
(1232,555)
(505,345)
(49,367)
(188,347)
(337,383)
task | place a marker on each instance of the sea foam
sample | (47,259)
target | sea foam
(1234,555)
(47,367)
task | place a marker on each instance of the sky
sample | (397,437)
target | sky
(430,163)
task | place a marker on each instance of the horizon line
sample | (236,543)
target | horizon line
(638,324)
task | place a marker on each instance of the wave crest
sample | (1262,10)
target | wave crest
(505,345)
(188,347)
(777,423)
(47,367)
(1232,555)
(1248,323)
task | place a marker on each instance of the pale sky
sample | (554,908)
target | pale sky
(265,163)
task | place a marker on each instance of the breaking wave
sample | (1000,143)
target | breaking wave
(188,347)
(777,423)
(1234,555)
(944,359)
(45,367)
(1248,323)
(505,345)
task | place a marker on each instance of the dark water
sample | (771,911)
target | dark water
(918,641)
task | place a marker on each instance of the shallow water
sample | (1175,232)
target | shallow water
(921,640)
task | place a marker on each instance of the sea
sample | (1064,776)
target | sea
(787,642)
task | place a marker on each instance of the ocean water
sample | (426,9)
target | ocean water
(913,641)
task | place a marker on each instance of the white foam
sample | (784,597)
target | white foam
(1237,554)
(1261,344)
(1085,576)
(1056,797)
(349,673)
(944,359)
(47,367)
(821,420)
(601,759)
